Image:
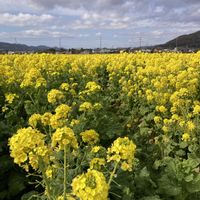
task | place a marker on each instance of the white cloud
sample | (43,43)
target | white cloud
(46,33)
(84,35)
(93,20)
(24,19)
(157,33)
(33,33)
(159,9)
(118,25)
(98,34)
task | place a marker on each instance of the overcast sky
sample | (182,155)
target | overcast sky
(81,23)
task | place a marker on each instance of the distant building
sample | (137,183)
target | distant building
(11,52)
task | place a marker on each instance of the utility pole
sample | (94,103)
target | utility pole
(100,41)
(59,43)
(15,40)
(177,43)
(140,42)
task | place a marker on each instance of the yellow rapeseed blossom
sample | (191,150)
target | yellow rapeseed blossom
(90,136)
(33,78)
(55,96)
(64,136)
(122,149)
(74,122)
(10,97)
(90,186)
(96,149)
(34,119)
(175,117)
(57,121)
(161,109)
(196,110)
(182,123)
(49,172)
(165,129)
(45,118)
(4,109)
(26,146)
(190,125)
(167,121)
(60,117)
(186,137)
(64,86)
(86,106)
(40,82)
(157,119)
(97,106)
(150,98)
(92,87)
(173,110)
(97,163)
(33,161)
(62,111)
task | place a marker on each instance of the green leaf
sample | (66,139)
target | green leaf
(169,187)
(143,124)
(183,145)
(194,186)
(190,164)
(189,178)
(150,116)
(29,107)
(180,153)
(193,148)
(144,172)
(144,131)
(157,164)
(144,110)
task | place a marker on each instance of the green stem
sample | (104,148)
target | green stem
(50,132)
(34,103)
(116,183)
(116,195)
(47,186)
(45,179)
(48,195)
(113,173)
(65,172)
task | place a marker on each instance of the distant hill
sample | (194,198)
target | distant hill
(184,41)
(20,47)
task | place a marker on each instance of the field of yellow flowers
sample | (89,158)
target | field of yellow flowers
(98,127)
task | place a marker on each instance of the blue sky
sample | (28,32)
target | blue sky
(81,23)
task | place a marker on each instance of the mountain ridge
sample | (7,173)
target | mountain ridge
(191,40)
(5,46)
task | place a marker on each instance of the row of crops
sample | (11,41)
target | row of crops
(100,127)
